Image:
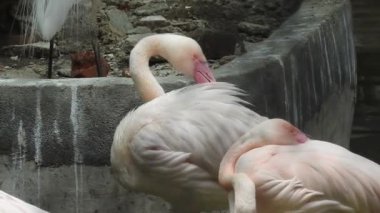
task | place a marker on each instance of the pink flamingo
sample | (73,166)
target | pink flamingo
(276,168)
(172,145)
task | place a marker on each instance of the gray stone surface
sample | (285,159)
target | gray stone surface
(154,8)
(154,21)
(55,135)
(133,39)
(75,188)
(119,21)
(305,72)
(39,49)
(252,29)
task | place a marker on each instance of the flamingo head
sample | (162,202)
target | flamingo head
(279,131)
(187,57)
(201,71)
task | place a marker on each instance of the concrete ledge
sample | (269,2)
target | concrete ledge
(55,135)
(305,72)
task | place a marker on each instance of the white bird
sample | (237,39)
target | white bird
(172,145)
(49,16)
(10,204)
(276,168)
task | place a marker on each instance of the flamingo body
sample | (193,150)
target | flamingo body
(265,175)
(11,204)
(172,145)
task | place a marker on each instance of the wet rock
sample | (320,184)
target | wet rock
(139,30)
(83,65)
(62,67)
(163,69)
(226,59)
(253,29)
(64,72)
(119,21)
(154,21)
(168,29)
(119,24)
(28,69)
(215,43)
(38,50)
(26,73)
(133,39)
(133,4)
(187,26)
(151,9)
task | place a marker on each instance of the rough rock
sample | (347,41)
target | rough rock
(133,39)
(7,72)
(119,21)
(151,9)
(63,68)
(154,21)
(254,29)
(39,50)
(140,30)
(216,44)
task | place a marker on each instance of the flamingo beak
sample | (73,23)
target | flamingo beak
(202,72)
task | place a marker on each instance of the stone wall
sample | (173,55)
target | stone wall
(366,129)
(305,72)
(55,135)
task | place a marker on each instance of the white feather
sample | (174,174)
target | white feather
(50,15)
(10,204)
(178,141)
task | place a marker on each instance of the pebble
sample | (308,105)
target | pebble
(14,58)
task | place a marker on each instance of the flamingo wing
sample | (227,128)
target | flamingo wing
(162,162)
(174,175)
(172,146)
(291,194)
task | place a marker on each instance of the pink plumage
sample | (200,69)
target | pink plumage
(172,145)
(267,171)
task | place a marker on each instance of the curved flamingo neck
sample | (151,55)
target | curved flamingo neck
(227,166)
(147,85)
(256,138)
